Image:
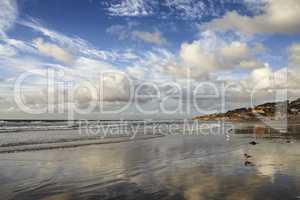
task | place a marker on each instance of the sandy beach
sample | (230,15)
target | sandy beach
(171,167)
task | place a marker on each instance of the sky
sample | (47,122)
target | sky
(133,59)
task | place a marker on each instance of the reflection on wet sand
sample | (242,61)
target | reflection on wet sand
(190,168)
(59,197)
(197,184)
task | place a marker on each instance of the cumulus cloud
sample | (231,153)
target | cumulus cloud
(149,37)
(238,54)
(8,15)
(116,87)
(84,57)
(266,81)
(261,78)
(200,58)
(282,78)
(112,87)
(277,16)
(195,55)
(53,51)
(210,54)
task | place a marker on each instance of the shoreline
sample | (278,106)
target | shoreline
(73,144)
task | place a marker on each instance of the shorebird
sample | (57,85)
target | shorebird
(253,143)
(247,156)
(248,163)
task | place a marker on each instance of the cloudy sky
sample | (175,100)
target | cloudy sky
(145,58)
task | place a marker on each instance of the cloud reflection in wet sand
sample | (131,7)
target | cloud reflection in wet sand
(164,168)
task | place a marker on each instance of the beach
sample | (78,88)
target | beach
(170,167)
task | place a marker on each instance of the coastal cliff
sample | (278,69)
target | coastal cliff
(274,110)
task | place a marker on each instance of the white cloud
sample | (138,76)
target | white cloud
(131,8)
(198,59)
(208,54)
(195,55)
(211,53)
(8,15)
(277,16)
(116,87)
(129,55)
(238,54)
(260,78)
(149,37)
(236,51)
(293,66)
(124,32)
(74,44)
(6,51)
(53,51)
(20,45)
(181,9)
(284,77)
(294,55)
(269,81)
(91,67)
(193,9)
(136,72)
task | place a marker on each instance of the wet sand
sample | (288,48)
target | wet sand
(171,167)
(73,144)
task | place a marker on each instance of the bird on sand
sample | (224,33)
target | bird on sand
(247,156)
(253,143)
(248,163)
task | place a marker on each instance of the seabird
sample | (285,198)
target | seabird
(253,143)
(247,156)
(248,163)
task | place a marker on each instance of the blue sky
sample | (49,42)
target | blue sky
(242,42)
(91,20)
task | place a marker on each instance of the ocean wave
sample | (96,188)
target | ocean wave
(27,135)
(38,125)
(21,147)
